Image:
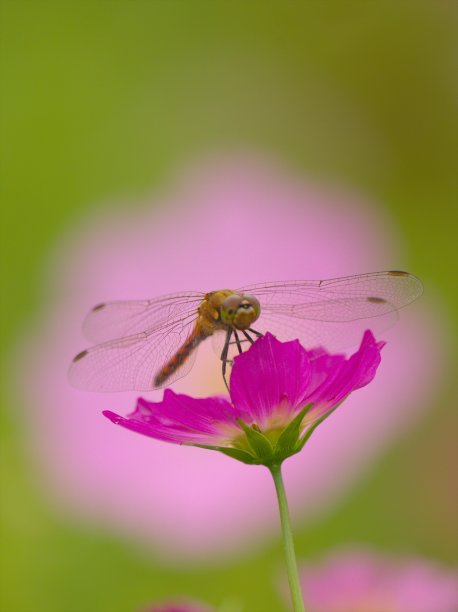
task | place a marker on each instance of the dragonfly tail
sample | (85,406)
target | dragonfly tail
(191,343)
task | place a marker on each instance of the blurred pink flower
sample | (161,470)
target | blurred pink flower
(363,581)
(230,223)
(276,386)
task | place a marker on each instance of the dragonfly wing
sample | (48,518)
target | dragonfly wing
(126,318)
(340,299)
(333,336)
(341,310)
(334,313)
(131,363)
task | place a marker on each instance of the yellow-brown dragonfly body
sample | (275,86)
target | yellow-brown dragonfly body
(220,310)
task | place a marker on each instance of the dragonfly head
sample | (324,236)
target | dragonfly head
(240,311)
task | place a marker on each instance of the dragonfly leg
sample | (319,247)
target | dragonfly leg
(237,340)
(224,355)
(248,337)
(256,333)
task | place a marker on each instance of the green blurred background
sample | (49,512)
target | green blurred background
(106,98)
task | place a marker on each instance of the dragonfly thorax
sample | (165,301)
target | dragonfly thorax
(224,308)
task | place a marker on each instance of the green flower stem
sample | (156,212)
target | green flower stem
(288,543)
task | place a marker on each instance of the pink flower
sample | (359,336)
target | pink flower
(280,392)
(362,581)
(229,223)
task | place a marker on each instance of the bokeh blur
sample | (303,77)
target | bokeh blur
(155,146)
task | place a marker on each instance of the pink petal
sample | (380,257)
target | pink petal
(180,419)
(341,376)
(267,375)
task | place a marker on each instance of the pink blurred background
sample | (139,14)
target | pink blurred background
(226,222)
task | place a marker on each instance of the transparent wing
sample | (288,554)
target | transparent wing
(333,336)
(131,363)
(126,318)
(339,299)
(333,313)
(312,334)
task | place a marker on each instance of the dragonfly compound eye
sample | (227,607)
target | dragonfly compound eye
(247,312)
(229,308)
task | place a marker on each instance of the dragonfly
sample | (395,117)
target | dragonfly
(148,344)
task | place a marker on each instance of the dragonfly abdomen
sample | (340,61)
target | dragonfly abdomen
(180,357)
